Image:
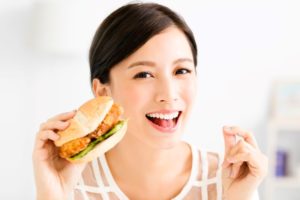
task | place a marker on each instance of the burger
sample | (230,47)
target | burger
(95,129)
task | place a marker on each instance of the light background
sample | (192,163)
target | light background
(244,45)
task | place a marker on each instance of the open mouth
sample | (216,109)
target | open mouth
(165,121)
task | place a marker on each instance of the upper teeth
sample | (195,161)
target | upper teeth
(164,116)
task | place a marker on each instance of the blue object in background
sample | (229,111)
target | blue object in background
(281,163)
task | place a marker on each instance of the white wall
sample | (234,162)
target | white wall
(243,46)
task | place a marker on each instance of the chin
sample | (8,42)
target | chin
(164,143)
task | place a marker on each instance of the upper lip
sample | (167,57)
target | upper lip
(164,111)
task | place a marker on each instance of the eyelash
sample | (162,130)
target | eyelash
(144,74)
(188,71)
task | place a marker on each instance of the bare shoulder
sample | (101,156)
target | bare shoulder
(213,159)
(88,175)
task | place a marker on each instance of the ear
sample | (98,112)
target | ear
(100,89)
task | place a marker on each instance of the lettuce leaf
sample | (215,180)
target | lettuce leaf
(101,138)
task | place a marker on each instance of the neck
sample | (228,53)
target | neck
(146,161)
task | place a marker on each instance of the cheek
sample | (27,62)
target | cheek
(131,97)
(189,92)
(189,95)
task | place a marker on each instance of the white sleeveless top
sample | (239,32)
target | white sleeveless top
(103,186)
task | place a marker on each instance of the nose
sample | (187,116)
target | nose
(166,91)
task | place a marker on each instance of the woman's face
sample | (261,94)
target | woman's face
(156,86)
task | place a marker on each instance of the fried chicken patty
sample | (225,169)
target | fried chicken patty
(109,121)
(75,146)
(71,148)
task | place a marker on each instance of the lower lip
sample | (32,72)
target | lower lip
(165,130)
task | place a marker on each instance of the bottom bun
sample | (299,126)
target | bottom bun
(102,147)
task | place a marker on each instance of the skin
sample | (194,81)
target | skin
(54,176)
(158,76)
(244,167)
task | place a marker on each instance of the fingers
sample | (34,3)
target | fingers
(46,135)
(231,136)
(246,135)
(58,122)
(235,169)
(234,160)
(63,116)
(242,165)
(243,158)
(48,129)
(54,125)
(239,156)
(43,136)
(229,139)
(240,147)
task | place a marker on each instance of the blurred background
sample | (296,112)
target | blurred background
(248,75)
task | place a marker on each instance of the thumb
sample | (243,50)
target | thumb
(229,139)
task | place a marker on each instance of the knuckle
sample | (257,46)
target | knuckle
(43,135)
(42,125)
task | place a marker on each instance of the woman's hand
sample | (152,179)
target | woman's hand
(244,165)
(54,177)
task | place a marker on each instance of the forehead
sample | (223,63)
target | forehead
(167,46)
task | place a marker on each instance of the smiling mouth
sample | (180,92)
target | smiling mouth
(164,122)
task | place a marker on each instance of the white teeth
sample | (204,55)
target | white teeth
(164,116)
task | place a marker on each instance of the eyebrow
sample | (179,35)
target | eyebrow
(152,64)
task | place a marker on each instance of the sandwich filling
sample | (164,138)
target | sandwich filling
(79,147)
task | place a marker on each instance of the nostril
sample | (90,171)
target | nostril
(166,100)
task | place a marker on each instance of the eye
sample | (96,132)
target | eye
(183,71)
(143,75)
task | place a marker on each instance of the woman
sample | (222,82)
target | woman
(145,56)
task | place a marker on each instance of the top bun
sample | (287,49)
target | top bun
(86,120)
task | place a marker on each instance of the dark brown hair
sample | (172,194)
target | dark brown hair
(126,29)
